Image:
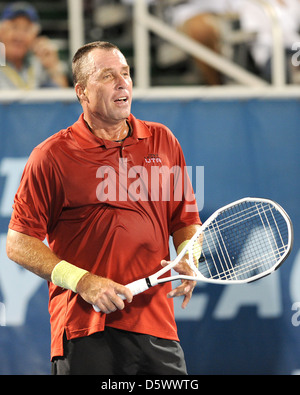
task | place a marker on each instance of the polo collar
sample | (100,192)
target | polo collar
(86,139)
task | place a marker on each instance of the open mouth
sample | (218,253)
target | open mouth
(122,99)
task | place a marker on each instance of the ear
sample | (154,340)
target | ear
(81,93)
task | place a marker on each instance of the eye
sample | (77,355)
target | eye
(107,76)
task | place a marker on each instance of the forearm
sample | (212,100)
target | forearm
(35,256)
(183,234)
(186,288)
(31,253)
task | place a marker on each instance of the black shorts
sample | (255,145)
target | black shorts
(117,352)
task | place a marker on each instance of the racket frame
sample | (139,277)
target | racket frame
(155,279)
(143,284)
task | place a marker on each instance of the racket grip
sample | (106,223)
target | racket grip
(136,287)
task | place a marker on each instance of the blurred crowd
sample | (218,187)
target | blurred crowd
(238,29)
(31,59)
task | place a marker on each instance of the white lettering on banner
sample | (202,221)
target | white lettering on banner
(295,291)
(294,279)
(296,316)
(196,308)
(296,56)
(12,169)
(264,294)
(17,286)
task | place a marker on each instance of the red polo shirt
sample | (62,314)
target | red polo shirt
(109,208)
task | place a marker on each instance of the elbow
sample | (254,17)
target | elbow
(11,246)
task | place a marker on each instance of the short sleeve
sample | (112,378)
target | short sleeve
(39,199)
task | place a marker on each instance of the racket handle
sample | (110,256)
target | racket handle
(136,287)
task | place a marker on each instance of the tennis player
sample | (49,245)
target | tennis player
(97,191)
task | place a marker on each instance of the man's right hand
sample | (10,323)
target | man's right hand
(103,293)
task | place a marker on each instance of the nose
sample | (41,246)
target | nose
(121,82)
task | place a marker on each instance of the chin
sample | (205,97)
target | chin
(124,114)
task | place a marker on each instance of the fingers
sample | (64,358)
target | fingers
(182,267)
(112,299)
(103,293)
(186,290)
(45,50)
(164,263)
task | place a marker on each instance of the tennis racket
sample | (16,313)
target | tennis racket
(240,243)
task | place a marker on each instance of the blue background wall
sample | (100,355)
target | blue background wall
(247,148)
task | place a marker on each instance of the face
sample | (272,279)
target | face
(18,36)
(108,92)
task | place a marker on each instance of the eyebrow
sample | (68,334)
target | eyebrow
(108,69)
(100,72)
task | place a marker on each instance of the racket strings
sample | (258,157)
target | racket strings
(242,215)
(243,242)
(235,273)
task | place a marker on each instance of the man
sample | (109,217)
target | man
(255,19)
(85,189)
(202,21)
(30,61)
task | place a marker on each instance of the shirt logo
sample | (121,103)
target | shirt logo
(153,159)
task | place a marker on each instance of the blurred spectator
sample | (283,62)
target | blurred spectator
(200,20)
(253,18)
(31,61)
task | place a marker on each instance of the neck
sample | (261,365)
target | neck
(117,132)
